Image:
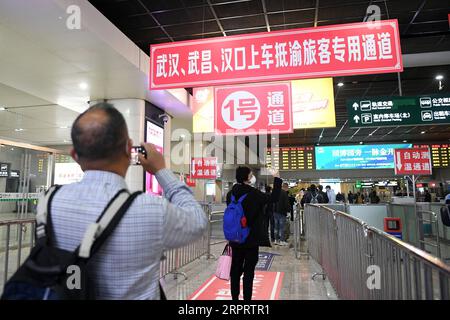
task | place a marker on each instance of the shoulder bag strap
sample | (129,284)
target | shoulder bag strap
(98,232)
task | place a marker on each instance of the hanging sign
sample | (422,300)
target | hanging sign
(327,51)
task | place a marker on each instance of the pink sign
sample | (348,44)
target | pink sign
(411,161)
(327,51)
(258,108)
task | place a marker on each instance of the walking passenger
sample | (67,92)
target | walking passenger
(245,255)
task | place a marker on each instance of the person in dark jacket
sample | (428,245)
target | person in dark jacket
(324,194)
(340,197)
(351,197)
(374,198)
(280,214)
(312,196)
(292,202)
(427,196)
(269,215)
(245,255)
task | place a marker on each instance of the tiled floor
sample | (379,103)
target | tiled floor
(297,283)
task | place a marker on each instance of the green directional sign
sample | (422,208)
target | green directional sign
(398,111)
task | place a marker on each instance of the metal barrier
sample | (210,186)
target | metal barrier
(434,239)
(433,220)
(16,240)
(363,262)
(299,233)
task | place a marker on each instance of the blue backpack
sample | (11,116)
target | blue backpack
(235,226)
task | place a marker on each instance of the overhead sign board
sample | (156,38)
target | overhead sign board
(397,111)
(253,109)
(327,51)
(312,105)
(412,161)
(356,156)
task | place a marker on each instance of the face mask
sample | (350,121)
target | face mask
(253,181)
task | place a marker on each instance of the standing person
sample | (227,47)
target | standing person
(300,195)
(331,195)
(312,196)
(340,197)
(351,197)
(292,202)
(324,194)
(269,214)
(287,229)
(127,265)
(359,198)
(245,255)
(374,198)
(281,211)
(427,196)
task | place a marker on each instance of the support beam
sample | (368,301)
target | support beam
(415,16)
(263,2)
(215,17)
(316,13)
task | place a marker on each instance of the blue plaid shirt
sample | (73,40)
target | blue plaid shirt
(127,266)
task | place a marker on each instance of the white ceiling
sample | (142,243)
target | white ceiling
(42,63)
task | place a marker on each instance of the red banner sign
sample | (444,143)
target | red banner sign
(204,168)
(253,109)
(411,161)
(190,181)
(328,51)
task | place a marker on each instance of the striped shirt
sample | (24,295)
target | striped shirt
(127,266)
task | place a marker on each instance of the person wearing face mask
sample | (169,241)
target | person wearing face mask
(245,255)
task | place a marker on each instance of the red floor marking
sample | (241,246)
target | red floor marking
(266,286)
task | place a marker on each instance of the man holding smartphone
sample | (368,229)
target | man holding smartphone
(127,266)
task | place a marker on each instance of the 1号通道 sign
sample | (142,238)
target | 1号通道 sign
(250,109)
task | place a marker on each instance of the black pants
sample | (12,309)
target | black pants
(272,227)
(244,261)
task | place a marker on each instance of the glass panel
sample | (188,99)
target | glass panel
(11,181)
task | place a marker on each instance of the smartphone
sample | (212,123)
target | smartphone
(134,154)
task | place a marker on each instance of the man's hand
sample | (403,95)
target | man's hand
(154,161)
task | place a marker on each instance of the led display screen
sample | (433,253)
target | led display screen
(154,135)
(357,156)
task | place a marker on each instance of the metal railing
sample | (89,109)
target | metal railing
(17,238)
(299,233)
(432,220)
(363,262)
(422,227)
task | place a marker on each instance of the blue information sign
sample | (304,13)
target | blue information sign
(357,156)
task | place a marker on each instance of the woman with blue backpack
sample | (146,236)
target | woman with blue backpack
(244,227)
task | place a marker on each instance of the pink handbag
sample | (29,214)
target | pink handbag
(224,265)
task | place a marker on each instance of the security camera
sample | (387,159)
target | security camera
(165,117)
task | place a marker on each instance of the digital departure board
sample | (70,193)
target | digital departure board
(440,155)
(291,158)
